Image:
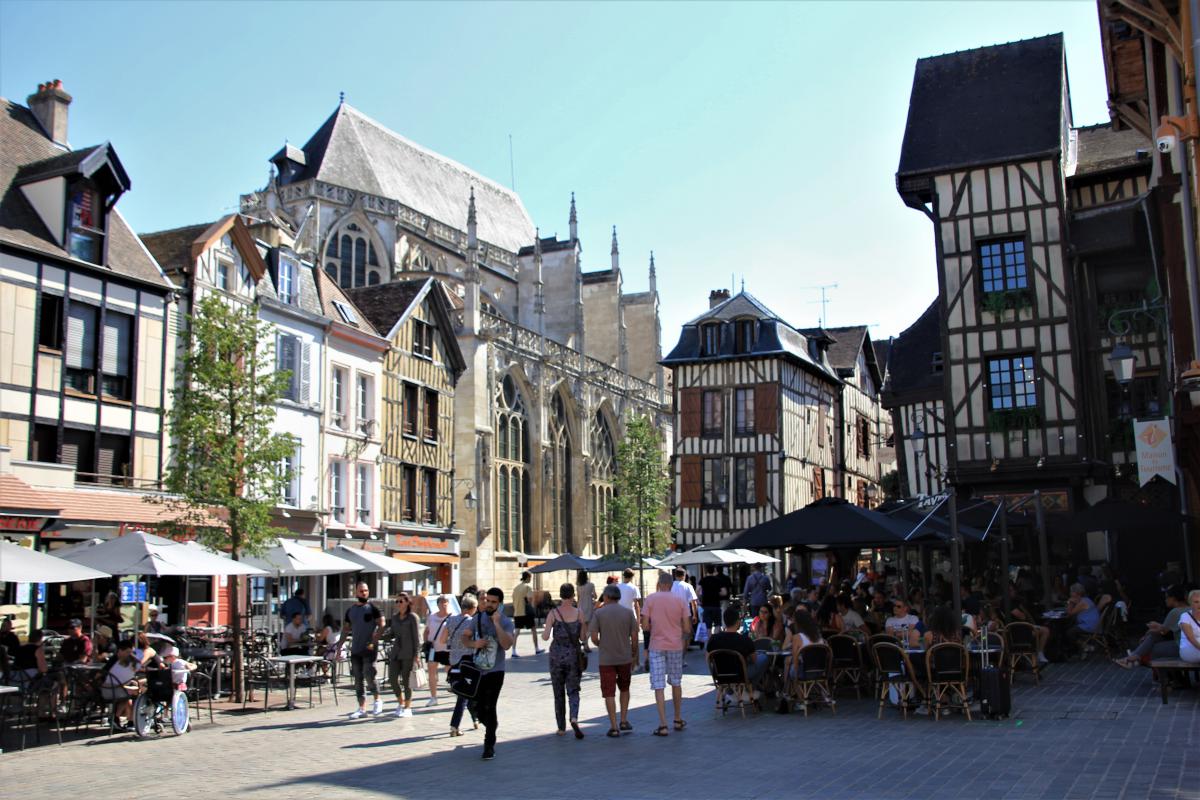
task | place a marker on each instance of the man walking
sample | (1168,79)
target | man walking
(714,592)
(364,623)
(523,613)
(667,618)
(757,588)
(490,636)
(615,633)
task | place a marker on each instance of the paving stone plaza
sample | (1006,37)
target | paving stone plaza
(1090,730)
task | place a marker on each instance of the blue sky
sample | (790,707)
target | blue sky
(738,141)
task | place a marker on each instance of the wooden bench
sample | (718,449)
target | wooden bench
(1166,668)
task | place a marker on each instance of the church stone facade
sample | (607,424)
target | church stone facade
(556,357)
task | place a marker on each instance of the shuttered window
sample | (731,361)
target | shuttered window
(79,451)
(430,496)
(115,358)
(112,460)
(745,475)
(716,492)
(410,493)
(337,489)
(411,416)
(431,415)
(364,494)
(743,411)
(45,444)
(286,347)
(689,409)
(713,414)
(766,408)
(81,347)
(691,481)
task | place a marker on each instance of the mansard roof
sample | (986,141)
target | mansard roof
(910,363)
(775,337)
(988,105)
(354,151)
(389,305)
(26,154)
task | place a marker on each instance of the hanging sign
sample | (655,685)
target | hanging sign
(1155,455)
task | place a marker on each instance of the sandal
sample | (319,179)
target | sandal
(625,726)
(578,732)
(661,730)
(560,732)
(455,732)
(680,724)
(613,733)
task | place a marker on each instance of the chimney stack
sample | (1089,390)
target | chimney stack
(717,296)
(49,105)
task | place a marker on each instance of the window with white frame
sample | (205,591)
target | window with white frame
(363,504)
(224,273)
(288,275)
(337,399)
(337,490)
(292,355)
(363,405)
(289,469)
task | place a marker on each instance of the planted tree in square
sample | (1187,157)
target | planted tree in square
(640,524)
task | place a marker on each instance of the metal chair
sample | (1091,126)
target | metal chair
(1020,639)
(730,675)
(948,669)
(847,662)
(811,685)
(260,672)
(895,671)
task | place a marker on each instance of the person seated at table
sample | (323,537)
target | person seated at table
(8,639)
(1021,612)
(916,601)
(329,638)
(1084,613)
(828,615)
(124,667)
(143,652)
(29,659)
(851,619)
(1160,639)
(103,645)
(805,631)
(903,623)
(731,638)
(293,636)
(77,648)
(764,624)
(1189,630)
(153,625)
(942,627)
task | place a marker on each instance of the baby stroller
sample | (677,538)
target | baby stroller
(162,701)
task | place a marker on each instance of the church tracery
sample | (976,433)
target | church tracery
(600,478)
(351,259)
(512,468)
(558,475)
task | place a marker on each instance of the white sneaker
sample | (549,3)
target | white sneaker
(357,714)
(377,708)
(1042,660)
(431,702)
(403,712)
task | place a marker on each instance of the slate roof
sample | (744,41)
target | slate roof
(910,363)
(352,150)
(22,142)
(1101,149)
(847,343)
(549,245)
(172,248)
(389,303)
(982,106)
(328,291)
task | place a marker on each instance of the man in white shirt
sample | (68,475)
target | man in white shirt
(902,622)
(684,591)
(631,598)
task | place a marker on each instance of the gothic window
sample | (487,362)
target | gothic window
(512,468)
(559,477)
(601,488)
(350,258)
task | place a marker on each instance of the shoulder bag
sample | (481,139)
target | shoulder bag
(463,678)
(427,647)
(485,657)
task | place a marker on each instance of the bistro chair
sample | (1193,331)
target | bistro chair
(847,663)
(1104,637)
(764,644)
(730,675)
(896,671)
(109,692)
(811,685)
(872,640)
(1020,640)
(949,670)
(200,685)
(260,672)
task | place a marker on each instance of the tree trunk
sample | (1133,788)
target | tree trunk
(235,609)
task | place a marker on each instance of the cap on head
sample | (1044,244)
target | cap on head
(75,623)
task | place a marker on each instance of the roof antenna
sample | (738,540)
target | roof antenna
(824,301)
(512,173)
(743,283)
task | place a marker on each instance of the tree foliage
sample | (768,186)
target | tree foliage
(639,524)
(226,456)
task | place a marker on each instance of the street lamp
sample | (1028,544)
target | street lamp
(1123,361)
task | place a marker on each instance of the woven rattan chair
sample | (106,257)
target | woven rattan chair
(847,664)
(895,670)
(1020,641)
(949,669)
(811,684)
(730,675)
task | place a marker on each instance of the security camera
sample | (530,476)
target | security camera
(1166,143)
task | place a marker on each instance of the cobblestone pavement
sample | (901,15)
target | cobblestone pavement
(1089,731)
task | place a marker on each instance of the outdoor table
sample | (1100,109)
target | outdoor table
(291,662)
(209,655)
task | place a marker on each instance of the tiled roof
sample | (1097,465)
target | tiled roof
(172,249)
(910,366)
(22,142)
(1101,149)
(329,292)
(85,504)
(383,305)
(352,150)
(987,105)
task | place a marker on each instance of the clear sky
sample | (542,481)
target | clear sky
(736,141)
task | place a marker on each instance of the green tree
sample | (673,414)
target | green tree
(226,456)
(639,524)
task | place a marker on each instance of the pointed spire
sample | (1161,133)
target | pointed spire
(616,253)
(472,239)
(537,250)
(341,98)
(653,275)
(573,220)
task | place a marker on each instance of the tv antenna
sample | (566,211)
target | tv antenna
(824,301)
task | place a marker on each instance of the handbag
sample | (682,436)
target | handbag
(427,647)
(581,655)
(464,677)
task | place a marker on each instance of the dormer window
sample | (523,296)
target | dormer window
(710,339)
(287,280)
(85,220)
(744,335)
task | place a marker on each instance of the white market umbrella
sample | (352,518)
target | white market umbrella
(376,562)
(288,558)
(737,556)
(141,553)
(24,565)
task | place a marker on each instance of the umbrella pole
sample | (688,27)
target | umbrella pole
(923,559)
(955,562)
(902,565)
(1004,581)
(1043,547)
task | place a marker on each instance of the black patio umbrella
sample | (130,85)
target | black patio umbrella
(925,526)
(827,523)
(568,561)
(1111,514)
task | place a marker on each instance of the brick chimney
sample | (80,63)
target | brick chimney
(717,296)
(49,105)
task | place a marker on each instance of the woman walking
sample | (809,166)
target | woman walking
(586,594)
(436,655)
(568,628)
(450,638)
(406,640)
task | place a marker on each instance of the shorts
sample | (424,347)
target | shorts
(666,666)
(523,622)
(613,677)
(441,657)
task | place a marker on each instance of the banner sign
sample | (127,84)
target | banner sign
(1155,455)
(133,592)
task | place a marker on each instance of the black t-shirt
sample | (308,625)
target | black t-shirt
(710,590)
(724,640)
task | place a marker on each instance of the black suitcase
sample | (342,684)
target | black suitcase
(995,693)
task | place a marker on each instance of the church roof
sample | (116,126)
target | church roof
(354,151)
(991,104)
(27,150)
(910,363)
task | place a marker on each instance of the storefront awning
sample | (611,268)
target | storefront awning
(428,558)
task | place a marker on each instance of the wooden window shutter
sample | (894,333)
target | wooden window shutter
(691,472)
(760,479)
(766,408)
(305,372)
(690,404)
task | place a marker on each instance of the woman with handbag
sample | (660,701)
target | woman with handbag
(403,629)
(567,659)
(451,640)
(435,655)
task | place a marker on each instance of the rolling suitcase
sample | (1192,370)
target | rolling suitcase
(995,690)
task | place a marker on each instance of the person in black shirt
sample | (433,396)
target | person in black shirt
(714,590)
(732,639)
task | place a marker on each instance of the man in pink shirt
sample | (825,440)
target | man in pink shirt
(667,618)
